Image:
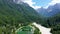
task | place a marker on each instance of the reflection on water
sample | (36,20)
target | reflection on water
(42,29)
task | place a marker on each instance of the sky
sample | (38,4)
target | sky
(41,3)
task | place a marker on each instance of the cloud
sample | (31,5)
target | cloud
(31,3)
(36,7)
(53,2)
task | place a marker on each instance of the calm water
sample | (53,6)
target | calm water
(42,29)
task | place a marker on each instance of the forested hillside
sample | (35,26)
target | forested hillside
(51,17)
(12,15)
(55,24)
(52,22)
(19,13)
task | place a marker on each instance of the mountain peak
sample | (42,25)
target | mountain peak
(50,11)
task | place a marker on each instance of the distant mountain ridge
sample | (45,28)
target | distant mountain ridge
(50,11)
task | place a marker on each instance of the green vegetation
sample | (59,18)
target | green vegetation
(28,30)
(37,31)
(53,23)
(25,30)
(13,16)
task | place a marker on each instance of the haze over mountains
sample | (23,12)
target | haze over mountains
(50,11)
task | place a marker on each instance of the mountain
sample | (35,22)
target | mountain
(52,17)
(50,11)
(42,11)
(12,13)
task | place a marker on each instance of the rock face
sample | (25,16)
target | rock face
(50,11)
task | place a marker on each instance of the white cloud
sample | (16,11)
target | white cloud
(36,7)
(31,3)
(53,2)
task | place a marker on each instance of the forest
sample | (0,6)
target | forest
(13,16)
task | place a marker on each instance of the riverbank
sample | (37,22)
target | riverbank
(42,29)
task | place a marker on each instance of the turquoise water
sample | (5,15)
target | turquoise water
(24,32)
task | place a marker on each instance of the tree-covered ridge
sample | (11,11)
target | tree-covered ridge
(12,14)
(53,23)
(16,12)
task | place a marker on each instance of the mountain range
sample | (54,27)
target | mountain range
(50,11)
